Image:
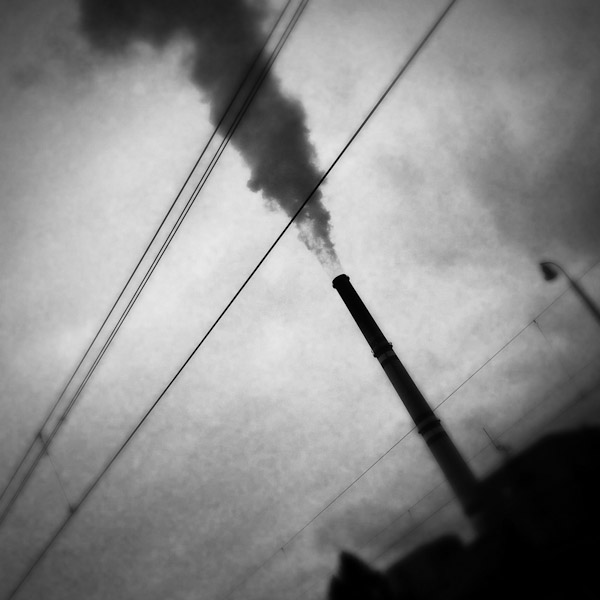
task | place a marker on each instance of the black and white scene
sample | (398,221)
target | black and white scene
(300,299)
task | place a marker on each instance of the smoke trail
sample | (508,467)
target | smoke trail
(273,137)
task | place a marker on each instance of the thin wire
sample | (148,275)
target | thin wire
(490,359)
(291,221)
(567,289)
(59,479)
(143,256)
(158,257)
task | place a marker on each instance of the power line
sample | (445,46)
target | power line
(270,249)
(489,360)
(247,101)
(59,479)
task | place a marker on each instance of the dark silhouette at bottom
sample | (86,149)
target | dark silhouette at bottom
(541,538)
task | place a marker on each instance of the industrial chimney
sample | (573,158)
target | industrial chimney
(453,465)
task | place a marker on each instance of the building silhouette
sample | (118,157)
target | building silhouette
(540,538)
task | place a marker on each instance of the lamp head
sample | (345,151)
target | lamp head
(549,271)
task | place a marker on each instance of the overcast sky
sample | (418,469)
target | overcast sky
(480,163)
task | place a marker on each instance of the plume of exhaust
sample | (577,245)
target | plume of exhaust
(225,35)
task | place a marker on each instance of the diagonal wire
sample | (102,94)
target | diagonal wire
(160,254)
(490,359)
(59,479)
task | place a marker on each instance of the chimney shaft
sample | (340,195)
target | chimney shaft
(452,464)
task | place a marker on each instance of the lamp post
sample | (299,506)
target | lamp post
(551,271)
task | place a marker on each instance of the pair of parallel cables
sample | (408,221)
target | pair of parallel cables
(45,440)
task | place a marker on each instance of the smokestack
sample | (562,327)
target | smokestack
(452,464)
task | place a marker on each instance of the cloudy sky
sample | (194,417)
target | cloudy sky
(254,469)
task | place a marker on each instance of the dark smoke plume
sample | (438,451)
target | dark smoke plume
(225,36)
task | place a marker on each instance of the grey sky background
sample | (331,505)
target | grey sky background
(481,163)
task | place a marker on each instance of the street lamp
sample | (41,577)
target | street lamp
(551,271)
